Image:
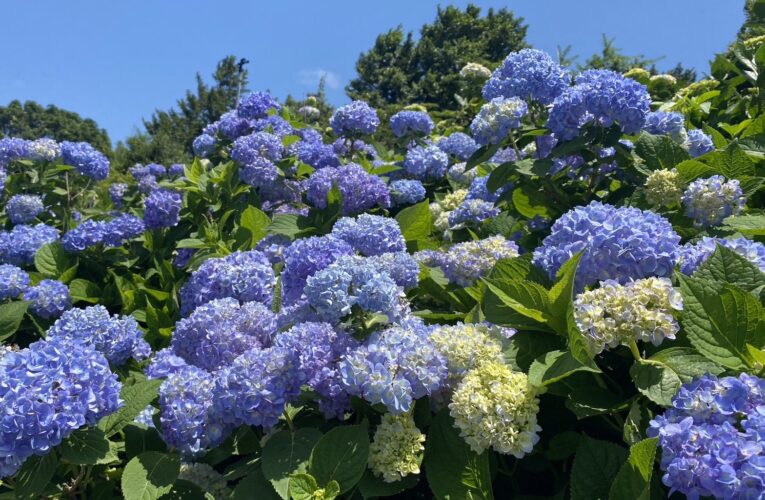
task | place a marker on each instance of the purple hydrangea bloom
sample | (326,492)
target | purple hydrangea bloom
(19,245)
(48,299)
(317,154)
(148,184)
(3,178)
(406,192)
(306,256)
(360,190)
(528,74)
(472,211)
(139,171)
(85,159)
(426,162)
(162,208)
(256,105)
(89,233)
(354,118)
(411,123)
(699,143)
(465,263)
(176,170)
(231,125)
(13,282)
(344,147)
(275,125)
(183,257)
(370,234)
(117,192)
(23,208)
(479,191)
(156,169)
(121,229)
(692,255)
(459,145)
(260,173)
(662,122)
(400,266)
(203,145)
(257,145)
(273,247)
(11,149)
(164,363)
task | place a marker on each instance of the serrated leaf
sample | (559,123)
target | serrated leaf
(659,151)
(555,366)
(254,486)
(690,170)
(415,221)
(150,475)
(302,487)
(136,398)
(525,297)
(634,478)
(748,225)
(52,260)
(87,446)
(35,474)
(341,455)
(286,453)
(519,268)
(596,464)
(84,291)
(655,381)
(256,222)
(726,266)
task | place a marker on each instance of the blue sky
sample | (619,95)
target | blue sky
(117,61)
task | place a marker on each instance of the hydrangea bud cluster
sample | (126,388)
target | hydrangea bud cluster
(616,314)
(85,159)
(23,208)
(617,243)
(118,338)
(48,299)
(406,192)
(370,234)
(712,438)
(13,282)
(162,208)
(465,263)
(475,71)
(663,188)
(497,118)
(356,118)
(527,74)
(459,145)
(709,201)
(360,190)
(426,162)
(397,448)
(692,255)
(19,245)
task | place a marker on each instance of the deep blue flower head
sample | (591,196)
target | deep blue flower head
(85,159)
(306,256)
(19,245)
(618,243)
(699,143)
(203,145)
(459,145)
(47,391)
(162,208)
(256,387)
(23,208)
(360,190)
(260,173)
(163,363)
(176,170)
(148,184)
(89,233)
(319,347)
(13,282)
(116,337)
(426,162)
(662,122)
(189,423)
(139,171)
(121,229)
(317,154)
(273,247)
(156,169)
(411,123)
(220,330)
(394,367)
(602,97)
(354,119)
(274,125)
(472,212)
(497,118)
(528,74)
(11,149)
(709,201)
(406,192)
(231,125)
(257,145)
(256,105)
(692,255)
(117,192)
(183,257)
(370,234)
(244,276)
(48,299)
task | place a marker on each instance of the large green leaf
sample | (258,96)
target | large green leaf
(415,221)
(659,151)
(35,474)
(531,203)
(150,475)
(519,268)
(341,455)
(524,297)
(287,453)
(88,446)
(596,464)
(555,366)
(254,486)
(11,315)
(52,261)
(748,225)
(726,266)
(256,223)
(136,398)
(634,478)
(85,291)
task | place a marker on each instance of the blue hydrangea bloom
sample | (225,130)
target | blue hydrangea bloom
(116,337)
(699,143)
(411,123)
(663,122)
(528,74)
(183,257)
(89,233)
(203,145)
(3,178)
(13,281)
(11,149)
(274,125)
(360,190)
(426,162)
(317,154)
(465,263)
(400,266)
(164,363)
(258,145)
(117,192)
(306,256)
(121,229)
(692,255)
(176,170)
(394,367)
(19,245)
(459,145)
(618,243)
(23,208)
(231,125)
(370,234)
(344,147)
(260,173)
(156,169)
(148,184)
(354,118)
(47,391)
(256,105)
(479,191)
(139,171)
(85,159)
(406,192)
(472,212)
(709,201)
(497,118)
(48,299)
(273,247)
(162,208)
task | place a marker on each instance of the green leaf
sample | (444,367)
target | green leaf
(690,170)
(524,347)
(415,221)
(341,455)
(302,487)
(482,155)
(256,222)
(371,486)
(286,224)
(11,315)
(530,203)
(183,489)
(634,478)
(748,225)
(733,162)
(286,453)
(518,268)
(555,366)
(35,474)
(655,381)
(596,464)
(52,261)
(150,475)
(88,446)
(726,266)
(659,151)
(453,469)
(136,398)
(524,297)
(720,321)
(500,309)
(254,486)
(636,422)
(85,291)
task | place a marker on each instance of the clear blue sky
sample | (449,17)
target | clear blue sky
(117,61)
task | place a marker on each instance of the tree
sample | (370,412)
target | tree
(316,100)
(611,57)
(32,121)
(754,25)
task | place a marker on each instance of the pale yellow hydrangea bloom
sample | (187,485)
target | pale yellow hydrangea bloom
(397,448)
(663,188)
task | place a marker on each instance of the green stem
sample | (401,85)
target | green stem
(635,351)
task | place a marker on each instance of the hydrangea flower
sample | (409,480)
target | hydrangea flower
(317,154)
(618,243)
(426,162)
(118,338)
(156,169)
(244,276)
(709,201)
(354,119)
(465,346)
(11,149)
(256,105)
(44,149)
(231,125)
(406,192)
(249,148)
(162,208)
(306,256)
(370,234)
(666,123)
(3,178)
(472,212)
(203,145)
(411,123)
(346,147)
(497,118)
(459,145)
(459,175)
(465,263)
(663,188)
(164,363)
(117,192)
(475,71)
(121,229)
(400,266)
(360,190)
(527,74)
(13,282)
(394,367)
(397,448)
(19,245)
(47,391)
(23,208)
(692,255)
(89,233)
(698,143)
(148,184)
(617,314)
(495,407)
(85,159)
(48,299)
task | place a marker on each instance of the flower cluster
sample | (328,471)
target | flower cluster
(19,245)
(306,256)
(698,143)
(466,346)
(617,243)
(113,233)
(709,201)
(426,163)
(459,145)
(359,190)
(13,281)
(317,154)
(475,71)
(370,234)
(666,123)
(663,188)
(411,123)
(397,448)
(85,159)
(406,192)
(256,154)
(692,255)
(527,74)
(464,263)
(356,118)
(257,105)
(472,211)
(23,208)
(162,208)
(48,299)
(497,118)
(117,192)
(617,314)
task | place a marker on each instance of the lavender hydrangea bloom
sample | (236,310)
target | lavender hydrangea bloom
(618,243)
(164,363)
(273,247)
(162,208)
(354,118)
(370,234)
(117,193)
(394,367)
(400,266)
(183,257)
(411,123)
(258,145)
(709,201)
(176,170)
(11,149)
(692,255)
(478,190)
(139,171)
(231,125)
(244,276)
(317,154)
(465,263)
(47,391)
(426,162)
(85,159)
(528,74)
(275,125)
(256,105)
(497,118)
(472,212)
(306,256)
(156,169)
(360,190)
(23,208)
(116,337)
(203,145)
(121,229)
(19,245)
(459,145)
(344,147)
(3,178)
(699,143)
(13,282)
(148,184)
(406,192)
(260,173)
(48,299)
(662,122)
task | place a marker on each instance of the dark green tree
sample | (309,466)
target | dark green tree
(31,120)
(611,57)
(754,25)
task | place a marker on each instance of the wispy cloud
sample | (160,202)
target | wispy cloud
(311,78)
